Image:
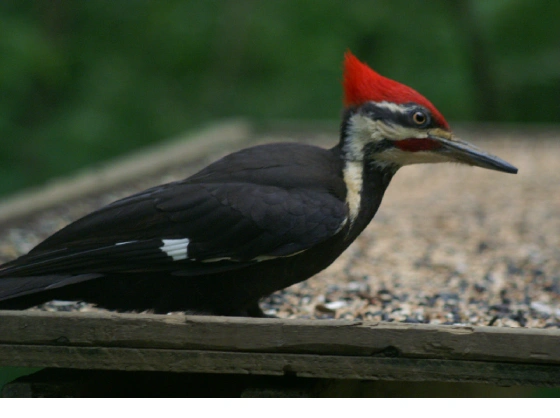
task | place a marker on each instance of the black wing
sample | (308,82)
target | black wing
(214,221)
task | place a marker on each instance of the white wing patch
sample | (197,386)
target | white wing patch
(175,248)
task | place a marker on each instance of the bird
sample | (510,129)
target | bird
(252,223)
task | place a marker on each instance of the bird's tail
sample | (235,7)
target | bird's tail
(22,292)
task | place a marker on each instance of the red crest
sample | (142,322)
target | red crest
(362,84)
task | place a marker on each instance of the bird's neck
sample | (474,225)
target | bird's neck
(366,183)
(375,182)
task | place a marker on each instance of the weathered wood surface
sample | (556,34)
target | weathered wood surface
(334,337)
(327,349)
(301,365)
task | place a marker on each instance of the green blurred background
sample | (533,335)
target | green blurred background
(83,81)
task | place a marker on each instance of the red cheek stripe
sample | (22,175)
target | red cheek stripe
(417,144)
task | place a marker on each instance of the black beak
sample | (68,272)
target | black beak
(466,153)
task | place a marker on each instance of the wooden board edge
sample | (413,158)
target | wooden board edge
(338,337)
(297,365)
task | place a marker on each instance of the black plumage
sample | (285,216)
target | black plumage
(247,225)
(257,221)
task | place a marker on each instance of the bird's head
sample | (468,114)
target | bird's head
(392,125)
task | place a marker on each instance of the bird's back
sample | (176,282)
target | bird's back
(250,217)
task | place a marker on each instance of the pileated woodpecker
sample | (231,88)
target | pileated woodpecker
(254,222)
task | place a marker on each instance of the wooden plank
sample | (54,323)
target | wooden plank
(251,335)
(300,365)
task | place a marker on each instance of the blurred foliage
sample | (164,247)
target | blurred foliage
(81,81)
(8,374)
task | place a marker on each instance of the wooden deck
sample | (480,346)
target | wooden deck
(335,349)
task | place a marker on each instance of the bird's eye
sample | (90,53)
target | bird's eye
(419,118)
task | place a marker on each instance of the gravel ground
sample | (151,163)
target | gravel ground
(449,245)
